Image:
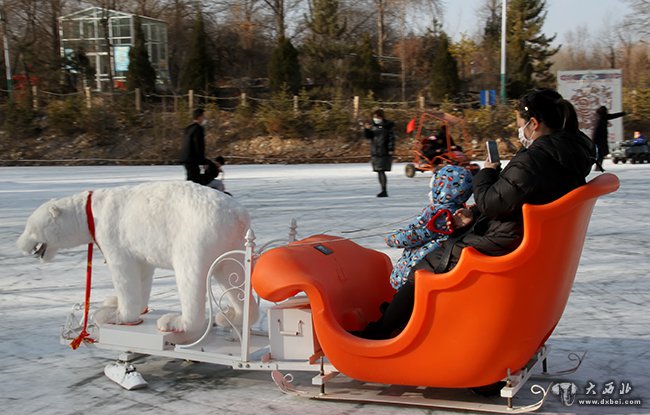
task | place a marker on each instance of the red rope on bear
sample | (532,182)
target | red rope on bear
(84,336)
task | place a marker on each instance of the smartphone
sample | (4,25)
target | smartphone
(492,151)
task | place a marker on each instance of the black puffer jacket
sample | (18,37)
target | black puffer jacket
(551,167)
(193,149)
(600,132)
(382,144)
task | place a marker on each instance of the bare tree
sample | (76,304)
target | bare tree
(607,45)
(33,36)
(178,15)
(278,12)
(398,10)
(627,37)
(639,18)
(577,48)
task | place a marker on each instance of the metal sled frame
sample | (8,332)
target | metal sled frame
(356,391)
(240,349)
(248,349)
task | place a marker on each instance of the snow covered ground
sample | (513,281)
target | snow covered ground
(606,316)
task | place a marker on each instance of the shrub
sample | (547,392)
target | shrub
(18,120)
(101,121)
(66,116)
(277,115)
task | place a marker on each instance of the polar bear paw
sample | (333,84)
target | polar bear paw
(171,323)
(110,301)
(105,315)
(111,315)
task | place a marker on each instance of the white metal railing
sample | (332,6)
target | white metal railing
(244,259)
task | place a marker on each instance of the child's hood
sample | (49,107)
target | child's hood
(451,184)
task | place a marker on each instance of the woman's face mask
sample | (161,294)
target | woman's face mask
(377,120)
(526,142)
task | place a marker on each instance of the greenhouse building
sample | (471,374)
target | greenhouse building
(84,34)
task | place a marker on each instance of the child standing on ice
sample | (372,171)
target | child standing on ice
(451,186)
(217,183)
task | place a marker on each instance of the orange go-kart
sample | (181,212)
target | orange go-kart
(431,152)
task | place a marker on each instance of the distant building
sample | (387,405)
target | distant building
(84,30)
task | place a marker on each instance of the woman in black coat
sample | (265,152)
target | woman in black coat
(382,144)
(555,159)
(600,134)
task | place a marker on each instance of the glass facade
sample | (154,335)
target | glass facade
(85,31)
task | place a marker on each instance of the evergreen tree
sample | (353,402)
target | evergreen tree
(140,74)
(365,73)
(198,72)
(466,52)
(284,68)
(324,48)
(444,70)
(528,49)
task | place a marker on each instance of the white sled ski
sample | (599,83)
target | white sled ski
(125,375)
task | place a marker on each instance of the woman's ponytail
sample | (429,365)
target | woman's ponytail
(569,116)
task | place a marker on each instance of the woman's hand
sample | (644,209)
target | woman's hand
(461,218)
(489,165)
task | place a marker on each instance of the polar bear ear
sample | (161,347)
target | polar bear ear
(54,211)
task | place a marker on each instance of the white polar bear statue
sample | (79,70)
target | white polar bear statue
(172,225)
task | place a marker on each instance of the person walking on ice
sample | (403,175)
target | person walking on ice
(382,144)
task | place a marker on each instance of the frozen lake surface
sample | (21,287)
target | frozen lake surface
(607,314)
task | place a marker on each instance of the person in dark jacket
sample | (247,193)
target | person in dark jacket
(639,139)
(555,159)
(193,151)
(600,134)
(382,144)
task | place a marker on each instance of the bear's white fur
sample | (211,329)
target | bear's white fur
(172,225)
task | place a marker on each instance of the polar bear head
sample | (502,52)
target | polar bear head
(54,225)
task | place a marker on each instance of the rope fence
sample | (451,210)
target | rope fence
(190,100)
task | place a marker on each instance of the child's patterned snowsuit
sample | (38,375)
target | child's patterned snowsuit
(451,186)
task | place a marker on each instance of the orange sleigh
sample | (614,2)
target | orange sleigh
(470,326)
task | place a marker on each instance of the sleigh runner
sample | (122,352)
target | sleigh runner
(510,307)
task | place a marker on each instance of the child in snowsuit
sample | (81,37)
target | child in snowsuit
(451,186)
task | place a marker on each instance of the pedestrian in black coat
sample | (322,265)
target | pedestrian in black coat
(382,144)
(193,151)
(600,133)
(555,159)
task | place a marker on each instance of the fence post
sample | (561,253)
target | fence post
(35,97)
(190,99)
(243,99)
(295,105)
(138,100)
(421,103)
(356,107)
(89,103)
